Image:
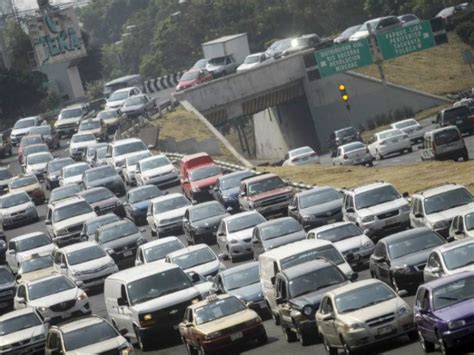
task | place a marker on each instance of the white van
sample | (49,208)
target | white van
(149,300)
(275,260)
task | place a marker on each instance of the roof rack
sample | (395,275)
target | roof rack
(256,175)
(365,184)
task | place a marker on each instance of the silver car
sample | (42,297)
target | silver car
(411,127)
(17,208)
(355,153)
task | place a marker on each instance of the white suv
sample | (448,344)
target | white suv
(24,246)
(65,218)
(119,150)
(435,208)
(377,207)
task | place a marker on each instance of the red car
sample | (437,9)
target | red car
(193,77)
(198,174)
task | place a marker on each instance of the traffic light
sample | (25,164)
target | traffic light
(344,96)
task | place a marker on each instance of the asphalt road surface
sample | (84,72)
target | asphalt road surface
(276,342)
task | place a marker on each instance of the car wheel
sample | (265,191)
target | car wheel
(331,350)
(427,346)
(443,348)
(465,157)
(144,346)
(346,348)
(190,349)
(201,351)
(303,337)
(263,339)
(413,336)
(290,336)
(153,232)
(276,317)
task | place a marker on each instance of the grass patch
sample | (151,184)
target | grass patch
(405,178)
(181,125)
(439,70)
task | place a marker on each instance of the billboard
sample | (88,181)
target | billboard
(56,37)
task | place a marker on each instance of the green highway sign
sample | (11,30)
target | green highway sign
(343,57)
(406,40)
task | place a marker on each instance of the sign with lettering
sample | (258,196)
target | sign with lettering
(406,40)
(343,57)
(56,37)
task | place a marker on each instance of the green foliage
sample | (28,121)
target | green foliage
(465,26)
(94,89)
(18,45)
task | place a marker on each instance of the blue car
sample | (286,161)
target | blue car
(136,204)
(227,189)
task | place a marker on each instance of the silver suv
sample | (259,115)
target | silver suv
(377,207)
(435,208)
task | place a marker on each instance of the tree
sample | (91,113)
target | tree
(18,46)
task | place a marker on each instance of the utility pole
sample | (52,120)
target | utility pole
(378,59)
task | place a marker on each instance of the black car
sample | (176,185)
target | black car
(64,192)
(103,201)
(400,258)
(90,226)
(317,207)
(460,116)
(136,203)
(342,136)
(5,177)
(135,106)
(243,281)
(200,222)
(121,241)
(227,189)
(53,171)
(299,290)
(7,289)
(104,176)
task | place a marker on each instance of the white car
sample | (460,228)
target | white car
(79,144)
(69,119)
(118,151)
(86,262)
(35,267)
(348,238)
(72,174)
(165,214)
(29,184)
(23,332)
(411,127)
(157,250)
(22,128)
(36,163)
(301,156)
(198,258)
(388,142)
(462,226)
(56,298)
(377,25)
(118,98)
(355,153)
(17,208)
(24,246)
(253,60)
(157,170)
(130,167)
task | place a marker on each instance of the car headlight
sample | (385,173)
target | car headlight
(309,217)
(368,244)
(42,309)
(367,219)
(456,324)
(213,335)
(307,310)
(82,297)
(253,321)
(354,326)
(109,251)
(439,225)
(403,311)
(147,320)
(403,269)
(233,241)
(405,208)
(111,264)
(76,273)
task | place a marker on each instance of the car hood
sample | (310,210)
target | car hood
(166,301)
(214,220)
(364,314)
(313,298)
(103,346)
(39,166)
(322,208)
(81,145)
(413,259)
(25,334)
(249,293)
(55,298)
(73,179)
(158,171)
(227,322)
(74,220)
(114,104)
(48,248)
(106,202)
(448,215)
(271,193)
(122,241)
(38,274)
(142,205)
(65,121)
(91,131)
(4,182)
(92,264)
(186,84)
(243,234)
(247,66)
(17,208)
(204,183)
(179,212)
(353,242)
(102,182)
(17,131)
(383,207)
(132,108)
(283,240)
(460,310)
(205,269)
(27,188)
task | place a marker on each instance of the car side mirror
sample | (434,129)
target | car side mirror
(350,210)
(435,270)
(229,209)
(55,351)
(458,232)
(189,325)
(418,215)
(122,302)
(123,332)
(405,194)
(243,194)
(255,241)
(208,278)
(21,300)
(402,293)
(354,276)
(250,304)
(79,283)
(47,222)
(272,280)
(292,208)
(12,252)
(280,300)
(63,266)
(18,277)
(328,317)
(369,232)
(378,259)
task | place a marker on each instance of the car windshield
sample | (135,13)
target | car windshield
(376,197)
(315,280)
(97,195)
(36,264)
(246,221)
(301,151)
(345,132)
(447,136)
(199,213)
(363,297)
(41,130)
(76,112)
(156,162)
(80,138)
(118,231)
(18,323)
(254,58)
(218,309)
(280,45)
(85,336)
(160,251)
(5,174)
(134,159)
(48,287)
(136,100)
(57,165)
(413,244)
(328,252)
(100,173)
(89,125)
(64,192)
(217,61)
(75,170)
(453,292)
(6,276)
(157,285)
(129,148)
(107,114)
(204,172)
(144,194)
(469,221)
(35,149)
(200,64)
(337,234)
(265,185)
(405,124)
(101,152)
(242,278)
(319,197)
(14,200)
(190,75)
(85,255)
(455,113)
(373,25)
(30,140)
(32,243)
(233,181)
(119,95)
(171,204)
(194,258)
(459,257)
(95,223)
(353,146)
(447,200)
(349,31)
(278,229)
(39,158)
(72,210)
(389,134)
(23,181)
(24,123)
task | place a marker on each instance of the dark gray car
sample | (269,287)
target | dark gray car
(104,176)
(201,221)
(53,171)
(5,177)
(90,226)
(7,289)
(138,105)
(316,207)
(275,233)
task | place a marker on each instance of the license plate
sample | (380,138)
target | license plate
(127,253)
(385,330)
(236,336)
(331,220)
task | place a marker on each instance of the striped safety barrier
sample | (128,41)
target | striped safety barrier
(162,83)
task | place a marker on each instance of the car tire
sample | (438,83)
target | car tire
(346,348)
(370,164)
(263,339)
(290,336)
(465,157)
(201,351)
(413,336)
(330,350)
(144,346)
(190,350)
(303,337)
(443,348)
(275,317)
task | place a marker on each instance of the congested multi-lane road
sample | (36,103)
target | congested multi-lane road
(276,344)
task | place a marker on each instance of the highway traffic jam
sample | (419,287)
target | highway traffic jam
(214,258)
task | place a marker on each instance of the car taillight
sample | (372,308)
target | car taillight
(345,156)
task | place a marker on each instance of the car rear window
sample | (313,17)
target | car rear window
(446,136)
(458,112)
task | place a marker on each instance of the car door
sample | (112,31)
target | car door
(184,329)
(53,343)
(433,268)
(221,236)
(327,327)
(186,223)
(49,223)
(382,263)
(281,294)
(123,317)
(257,245)
(11,257)
(57,262)
(424,320)
(416,214)
(454,229)
(20,299)
(349,209)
